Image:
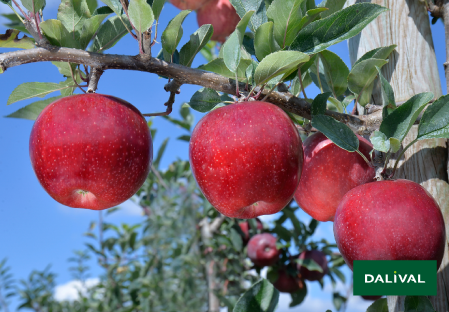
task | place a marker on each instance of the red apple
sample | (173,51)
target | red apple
(262,250)
(189,4)
(91,151)
(247,159)
(329,172)
(320,258)
(221,15)
(389,220)
(286,282)
(373,298)
(244,226)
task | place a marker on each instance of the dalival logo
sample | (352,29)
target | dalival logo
(397,278)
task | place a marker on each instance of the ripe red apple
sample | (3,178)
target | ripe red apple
(189,4)
(373,298)
(221,15)
(389,220)
(287,283)
(262,250)
(91,151)
(244,226)
(320,258)
(329,172)
(247,159)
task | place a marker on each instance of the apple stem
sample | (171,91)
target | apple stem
(237,92)
(301,82)
(400,156)
(94,77)
(387,159)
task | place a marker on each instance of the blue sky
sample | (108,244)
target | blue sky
(36,231)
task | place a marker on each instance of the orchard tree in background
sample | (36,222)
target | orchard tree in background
(266,51)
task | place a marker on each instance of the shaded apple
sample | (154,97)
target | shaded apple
(262,250)
(189,4)
(320,258)
(389,220)
(91,151)
(329,172)
(286,282)
(221,15)
(246,158)
(244,226)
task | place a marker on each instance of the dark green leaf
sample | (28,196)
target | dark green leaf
(157,6)
(264,40)
(286,16)
(319,103)
(418,303)
(236,239)
(309,264)
(33,110)
(335,71)
(340,275)
(380,305)
(311,16)
(231,49)
(389,104)
(173,33)
(435,120)
(262,296)
(298,296)
(110,33)
(197,41)
(258,6)
(184,138)
(312,226)
(338,300)
(337,132)
(160,153)
(204,100)
(332,5)
(218,66)
(335,28)
(102,10)
(58,35)
(115,6)
(379,53)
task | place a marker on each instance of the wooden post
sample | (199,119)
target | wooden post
(412,69)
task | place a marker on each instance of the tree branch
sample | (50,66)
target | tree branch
(363,125)
(95,75)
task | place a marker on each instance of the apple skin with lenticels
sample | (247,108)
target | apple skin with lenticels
(262,250)
(91,151)
(389,220)
(246,158)
(329,172)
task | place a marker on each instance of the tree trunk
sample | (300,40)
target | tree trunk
(412,69)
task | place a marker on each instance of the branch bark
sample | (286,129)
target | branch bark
(363,125)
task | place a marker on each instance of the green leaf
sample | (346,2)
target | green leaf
(286,16)
(298,296)
(57,34)
(389,104)
(264,41)
(173,33)
(236,239)
(103,10)
(33,110)
(89,29)
(311,16)
(242,7)
(398,123)
(319,103)
(338,300)
(141,15)
(15,22)
(335,28)
(110,33)
(72,14)
(218,66)
(33,5)
(115,6)
(337,132)
(197,41)
(157,6)
(29,90)
(380,305)
(435,120)
(309,264)
(278,63)
(233,45)
(337,272)
(11,40)
(361,79)
(332,5)
(160,153)
(380,141)
(418,303)
(335,71)
(379,53)
(262,296)
(338,105)
(204,100)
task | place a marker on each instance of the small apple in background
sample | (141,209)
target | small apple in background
(389,220)
(329,172)
(320,258)
(221,15)
(91,151)
(244,226)
(246,158)
(372,298)
(286,282)
(189,4)
(262,250)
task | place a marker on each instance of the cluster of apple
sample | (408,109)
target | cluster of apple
(248,160)
(219,13)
